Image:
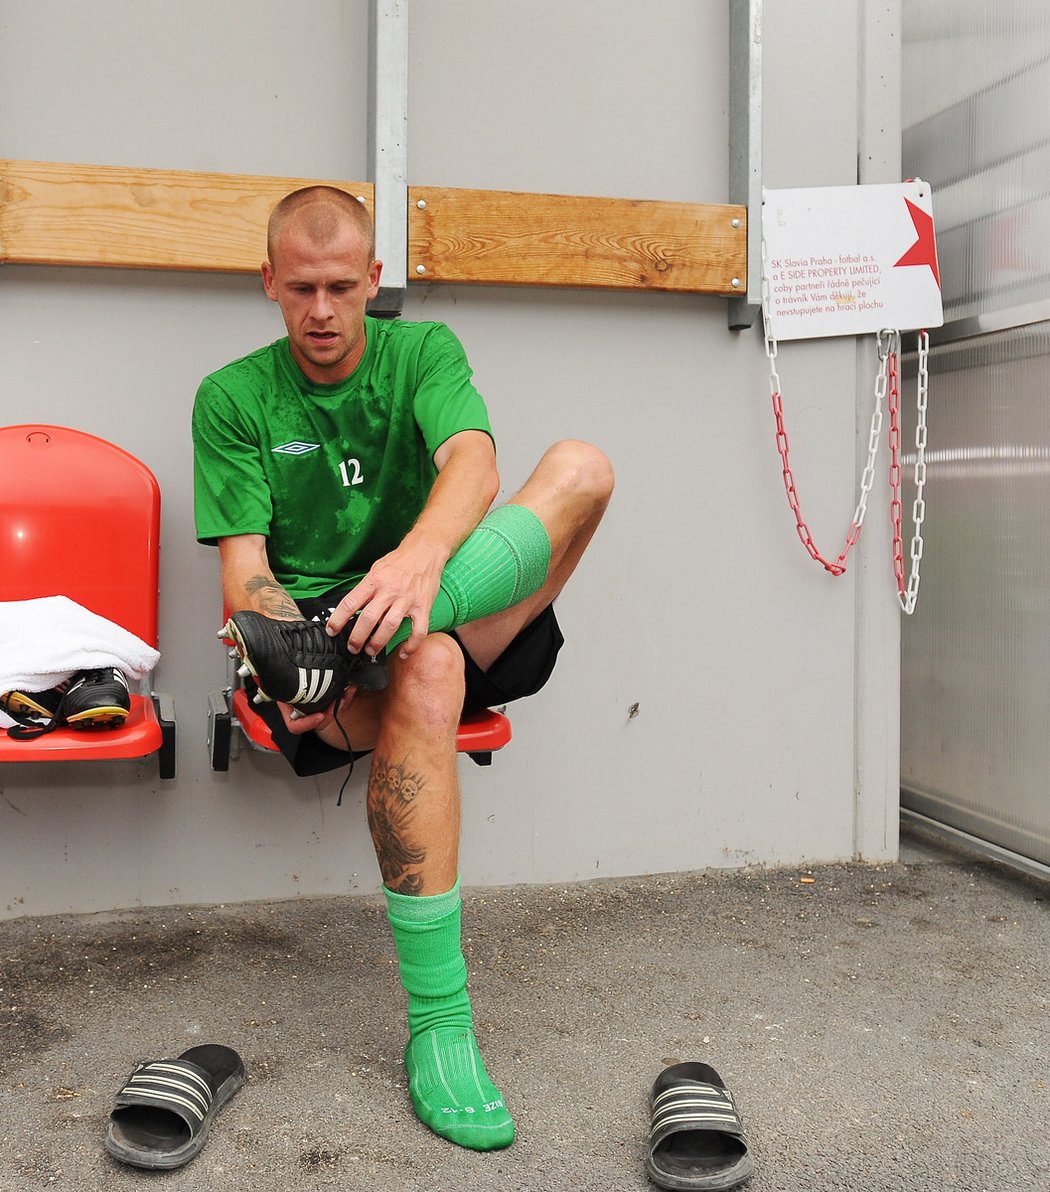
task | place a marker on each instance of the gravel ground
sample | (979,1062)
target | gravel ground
(883,1028)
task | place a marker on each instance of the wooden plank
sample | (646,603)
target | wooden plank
(55,213)
(60,214)
(514,238)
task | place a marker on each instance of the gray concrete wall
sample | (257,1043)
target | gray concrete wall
(767,691)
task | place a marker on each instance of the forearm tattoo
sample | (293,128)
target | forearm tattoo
(274,600)
(392,791)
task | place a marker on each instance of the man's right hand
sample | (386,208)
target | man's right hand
(312,722)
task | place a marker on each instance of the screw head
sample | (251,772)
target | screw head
(422,204)
(736,283)
(421,268)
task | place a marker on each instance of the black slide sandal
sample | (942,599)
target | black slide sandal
(166,1107)
(697,1139)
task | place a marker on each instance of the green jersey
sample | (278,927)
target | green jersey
(333,476)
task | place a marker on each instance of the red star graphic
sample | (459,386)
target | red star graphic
(924,250)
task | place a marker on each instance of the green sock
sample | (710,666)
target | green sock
(450,1089)
(505,560)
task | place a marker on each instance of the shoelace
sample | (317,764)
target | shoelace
(303,641)
(349,748)
(27,729)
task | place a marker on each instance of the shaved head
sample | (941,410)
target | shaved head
(319,212)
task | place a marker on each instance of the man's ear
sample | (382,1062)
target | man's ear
(374,270)
(267,280)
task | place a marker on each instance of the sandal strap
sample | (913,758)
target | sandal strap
(175,1085)
(694,1105)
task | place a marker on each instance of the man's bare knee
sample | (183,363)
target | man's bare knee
(583,470)
(428,686)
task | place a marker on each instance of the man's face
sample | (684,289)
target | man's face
(322,289)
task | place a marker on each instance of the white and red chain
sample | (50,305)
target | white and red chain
(885,348)
(886,381)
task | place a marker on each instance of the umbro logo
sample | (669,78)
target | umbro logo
(295,447)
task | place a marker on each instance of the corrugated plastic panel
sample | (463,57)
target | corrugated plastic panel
(976,110)
(975,671)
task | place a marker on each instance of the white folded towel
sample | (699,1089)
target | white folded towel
(44,641)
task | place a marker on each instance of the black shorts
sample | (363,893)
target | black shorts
(521,670)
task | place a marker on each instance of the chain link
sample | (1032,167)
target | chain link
(895,476)
(908,590)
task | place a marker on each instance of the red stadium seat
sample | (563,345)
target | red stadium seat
(80,517)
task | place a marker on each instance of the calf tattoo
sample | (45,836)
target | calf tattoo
(392,791)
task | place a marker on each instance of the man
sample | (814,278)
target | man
(346,474)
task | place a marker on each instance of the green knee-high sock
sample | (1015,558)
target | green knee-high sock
(502,562)
(450,1089)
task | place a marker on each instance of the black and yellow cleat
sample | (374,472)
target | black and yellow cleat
(91,699)
(97,699)
(32,706)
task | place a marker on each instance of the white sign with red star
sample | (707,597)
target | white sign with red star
(849,260)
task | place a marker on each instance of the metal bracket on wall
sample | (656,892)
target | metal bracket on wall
(745,148)
(388,148)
